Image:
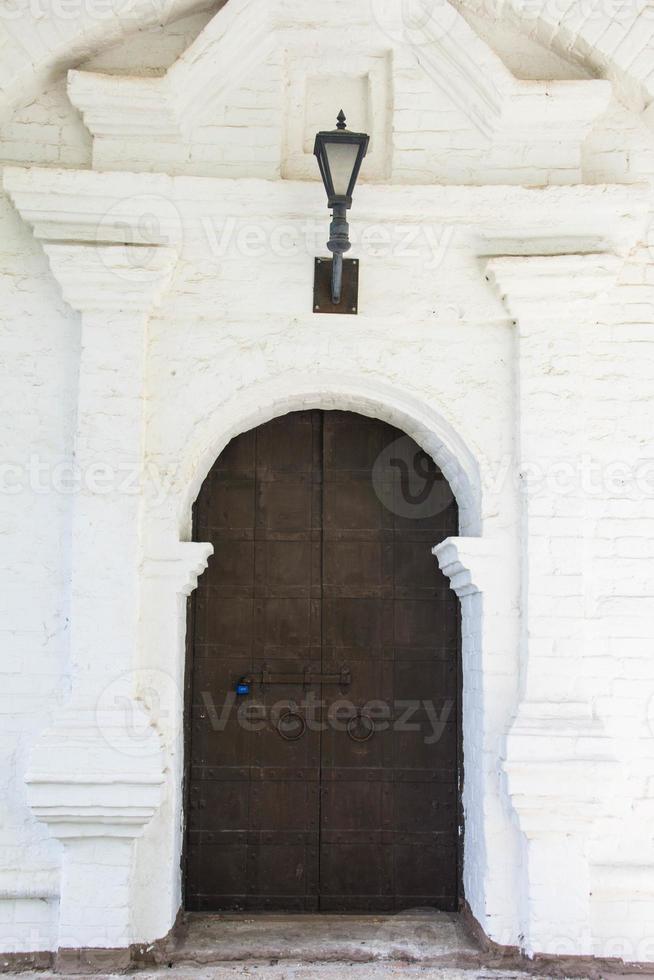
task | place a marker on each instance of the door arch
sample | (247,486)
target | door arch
(330,779)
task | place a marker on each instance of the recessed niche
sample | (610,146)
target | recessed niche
(317,87)
(323,98)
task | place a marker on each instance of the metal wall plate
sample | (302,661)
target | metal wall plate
(322,287)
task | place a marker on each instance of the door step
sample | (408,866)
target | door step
(425,937)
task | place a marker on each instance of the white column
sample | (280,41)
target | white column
(96,775)
(558,760)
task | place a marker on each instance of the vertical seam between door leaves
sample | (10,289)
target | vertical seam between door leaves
(321,443)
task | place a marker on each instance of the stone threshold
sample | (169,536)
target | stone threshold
(207,944)
(425,937)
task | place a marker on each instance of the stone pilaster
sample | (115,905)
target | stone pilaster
(96,776)
(557,761)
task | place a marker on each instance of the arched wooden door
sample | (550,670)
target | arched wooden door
(323,680)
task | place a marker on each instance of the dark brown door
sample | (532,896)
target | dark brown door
(331,781)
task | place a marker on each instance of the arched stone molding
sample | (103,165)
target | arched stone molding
(488,651)
(291,391)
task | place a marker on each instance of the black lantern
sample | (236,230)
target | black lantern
(340,155)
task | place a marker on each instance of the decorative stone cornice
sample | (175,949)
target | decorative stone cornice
(183,567)
(244,32)
(101,208)
(112,278)
(461,64)
(235,42)
(123,106)
(109,250)
(97,772)
(469,563)
(559,766)
(238,38)
(547,287)
(155,209)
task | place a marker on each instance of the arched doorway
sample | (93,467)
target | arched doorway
(323,737)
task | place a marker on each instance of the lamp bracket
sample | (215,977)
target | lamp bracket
(322,287)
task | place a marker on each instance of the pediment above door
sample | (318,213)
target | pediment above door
(245,98)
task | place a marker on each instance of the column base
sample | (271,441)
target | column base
(72,962)
(559,770)
(96,779)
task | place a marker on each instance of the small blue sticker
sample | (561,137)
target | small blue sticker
(242,688)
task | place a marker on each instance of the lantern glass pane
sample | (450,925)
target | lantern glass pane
(342,158)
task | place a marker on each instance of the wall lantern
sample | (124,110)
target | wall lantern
(340,155)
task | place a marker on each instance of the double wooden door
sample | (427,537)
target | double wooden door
(323,679)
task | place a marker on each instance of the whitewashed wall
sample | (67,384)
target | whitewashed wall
(530,380)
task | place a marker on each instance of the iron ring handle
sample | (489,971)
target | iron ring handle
(289,736)
(354,721)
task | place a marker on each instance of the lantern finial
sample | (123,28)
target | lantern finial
(340,124)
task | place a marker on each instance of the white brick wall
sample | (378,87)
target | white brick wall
(435,350)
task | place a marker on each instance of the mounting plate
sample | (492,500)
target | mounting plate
(322,287)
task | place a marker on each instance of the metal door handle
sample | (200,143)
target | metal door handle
(291,726)
(360,727)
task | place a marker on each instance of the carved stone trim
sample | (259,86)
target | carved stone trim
(558,764)
(546,287)
(469,563)
(122,105)
(79,206)
(90,775)
(183,568)
(238,38)
(244,32)
(76,206)
(102,251)
(462,65)
(112,278)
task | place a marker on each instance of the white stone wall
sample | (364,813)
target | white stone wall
(508,329)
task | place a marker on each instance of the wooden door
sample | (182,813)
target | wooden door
(332,782)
